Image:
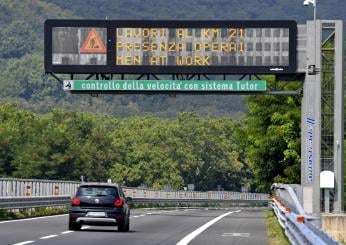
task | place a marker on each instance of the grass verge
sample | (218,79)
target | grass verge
(31,212)
(275,232)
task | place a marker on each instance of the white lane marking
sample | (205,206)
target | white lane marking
(236,234)
(23,243)
(187,239)
(66,232)
(160,212)
(137,216)
(47,237)
(45,217)
(85,227)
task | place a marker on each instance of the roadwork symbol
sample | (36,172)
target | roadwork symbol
(93,43)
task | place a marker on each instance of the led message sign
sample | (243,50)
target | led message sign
(203,46)
(170,47)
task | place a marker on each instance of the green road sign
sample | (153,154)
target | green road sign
(167,85)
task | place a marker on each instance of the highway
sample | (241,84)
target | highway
(241,226)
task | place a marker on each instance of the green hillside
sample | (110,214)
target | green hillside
(203,9)
(23,80)
(255,151)
(21,51)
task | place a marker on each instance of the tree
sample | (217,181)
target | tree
(271,135)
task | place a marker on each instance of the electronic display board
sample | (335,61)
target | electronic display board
(170,47)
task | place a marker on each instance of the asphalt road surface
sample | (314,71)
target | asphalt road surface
(182,227)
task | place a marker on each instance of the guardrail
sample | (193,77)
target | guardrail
(299,228)
(11,187)
(25,193)
(33,202)
(51,201)
(194,195)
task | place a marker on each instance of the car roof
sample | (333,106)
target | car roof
(99,184)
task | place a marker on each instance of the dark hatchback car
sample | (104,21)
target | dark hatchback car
(99,204)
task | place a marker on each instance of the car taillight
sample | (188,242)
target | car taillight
(118,202)
(75,201)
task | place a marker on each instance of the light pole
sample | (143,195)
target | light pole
(312,68)
(314,3)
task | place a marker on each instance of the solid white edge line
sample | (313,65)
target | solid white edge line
(23,243)
(187,239)
(47,237)
(44,217)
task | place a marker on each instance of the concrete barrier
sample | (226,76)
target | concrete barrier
(335,225)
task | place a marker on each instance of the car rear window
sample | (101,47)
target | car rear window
(97,191)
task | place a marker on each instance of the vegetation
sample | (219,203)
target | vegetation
(270,135)
(23,80)
(21,46)
(201,9)
(59,140)
(133,151)
(275,232)
(32,212)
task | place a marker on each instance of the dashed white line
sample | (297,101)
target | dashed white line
(47,237)
(83,228)
(137,216)
(187,239)
(236,235)
(23,243)
(19,220)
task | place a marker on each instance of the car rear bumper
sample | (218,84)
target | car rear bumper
(80,216)
(96,221)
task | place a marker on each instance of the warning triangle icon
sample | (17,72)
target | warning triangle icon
(93,43)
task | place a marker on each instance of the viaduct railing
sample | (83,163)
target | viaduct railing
(27,193)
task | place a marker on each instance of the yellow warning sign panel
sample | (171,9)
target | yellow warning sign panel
(93,43)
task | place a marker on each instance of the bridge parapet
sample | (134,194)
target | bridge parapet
(19,188)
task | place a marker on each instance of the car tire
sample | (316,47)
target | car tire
(74,226)
(124,226)
(121,226)
(127,227)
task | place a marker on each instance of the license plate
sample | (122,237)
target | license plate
(96,214)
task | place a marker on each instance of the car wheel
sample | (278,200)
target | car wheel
(74,226)
(121,225)
(127,227)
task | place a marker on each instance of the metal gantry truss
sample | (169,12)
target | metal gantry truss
(331,83)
